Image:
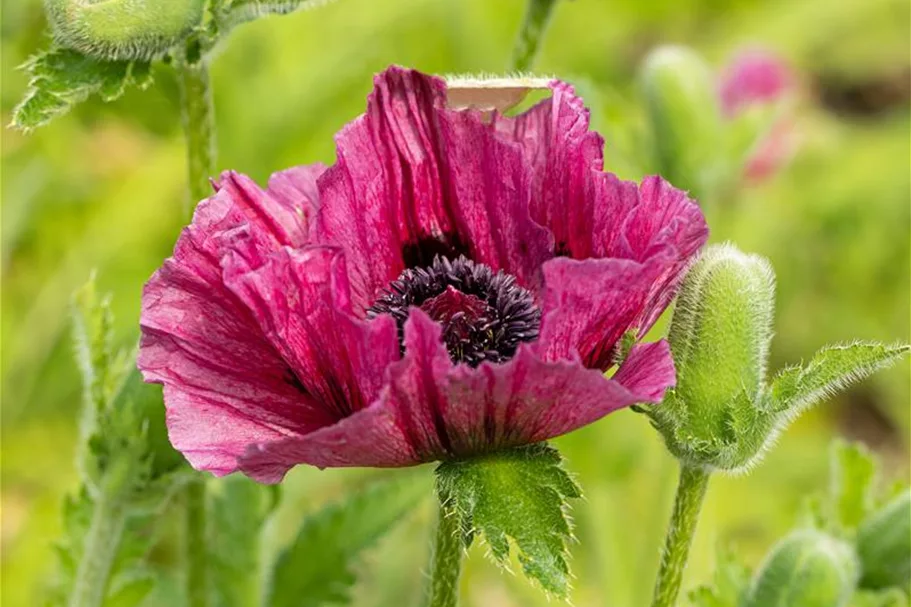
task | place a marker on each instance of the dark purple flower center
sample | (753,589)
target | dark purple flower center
(485,315)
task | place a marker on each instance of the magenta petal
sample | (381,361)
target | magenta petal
(371,437)
(754,76)
(405,426)
(296,190)
(589,304)
(664,224)
(301,300)
(278,223)
(434,410)
(225,386)
(414,179)
(564,156)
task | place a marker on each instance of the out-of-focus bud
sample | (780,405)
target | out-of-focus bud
(884,545)
(122,29)
(686,121)
(806,569)
(756,90)
(722,414)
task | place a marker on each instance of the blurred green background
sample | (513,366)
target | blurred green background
(103,188)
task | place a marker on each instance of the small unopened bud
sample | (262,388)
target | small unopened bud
(884,545)
(722,414)
(680,95)
(719,339)
(805,569)
(122,29)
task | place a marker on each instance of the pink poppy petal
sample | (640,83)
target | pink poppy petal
(423,180)
(301,301)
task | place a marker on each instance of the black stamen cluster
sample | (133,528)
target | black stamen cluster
(508,316)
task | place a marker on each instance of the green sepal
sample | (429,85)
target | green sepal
(517,497)
(316,568)
(61,78)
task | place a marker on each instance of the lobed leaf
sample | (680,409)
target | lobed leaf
(60,78)
(517,496)
(729,583)
(237,12)
(830,370)
(238,510)
(853,474)
(316,569)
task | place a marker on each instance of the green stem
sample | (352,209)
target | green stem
(690,494)
(102,541)
(194,549)
(197,117)
(446,560)
(529,39)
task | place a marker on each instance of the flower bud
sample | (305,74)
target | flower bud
(686,121)
(884,544)
(806,569)
(719,338)
(122,29)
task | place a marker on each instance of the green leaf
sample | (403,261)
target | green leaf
(316,569)
(61,78)
(238,509)
(884,545)
(519,495)
(830,370)
(853,473)
(237,12)
(92,338)
(729,583)
(892,597)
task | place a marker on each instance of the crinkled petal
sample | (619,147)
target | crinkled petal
(296,190)
(587,305)
(528,400)
(414,179)
(663,225)
(301,301)
(276,222)
(564,155)
(433,409)
(225,386)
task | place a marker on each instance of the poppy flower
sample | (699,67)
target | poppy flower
(756,77)
(456,283)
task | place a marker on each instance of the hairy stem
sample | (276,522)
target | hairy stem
(198,118)
(102,541)
(529,39)
(194,548)
(687,505)
(446,560)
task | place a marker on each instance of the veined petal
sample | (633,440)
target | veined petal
(301,301)
(225,385)
(422,180)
